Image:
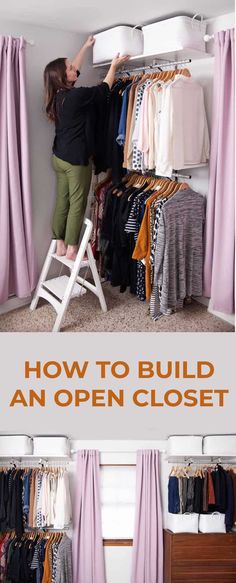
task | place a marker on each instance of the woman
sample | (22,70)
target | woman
(70,109)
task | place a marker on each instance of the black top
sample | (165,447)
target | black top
(74,140)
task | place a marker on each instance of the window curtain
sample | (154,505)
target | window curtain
(220,219)
(18,272)
(88,554)
(147,564)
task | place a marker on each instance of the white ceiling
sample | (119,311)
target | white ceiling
(94,15)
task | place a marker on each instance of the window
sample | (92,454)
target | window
(118,485)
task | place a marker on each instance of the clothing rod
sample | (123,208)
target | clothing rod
(155,66)
(28,464)
(152,174)
(202,463)
(74,451)
(176,175)
(30,530)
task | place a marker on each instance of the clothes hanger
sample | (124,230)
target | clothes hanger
(155,183)
(138,180)
(175,187)
(130,179)
(145,180)
(153,197)
(185,72)
(168,75)
(150,185)
(167,188)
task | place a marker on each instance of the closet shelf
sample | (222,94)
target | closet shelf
(147,60)
(202,165)
(203,458)
(32,457)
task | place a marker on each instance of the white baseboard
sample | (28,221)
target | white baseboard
(14,303)
(230,318)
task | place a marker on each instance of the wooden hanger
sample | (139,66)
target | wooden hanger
(130,179)
(137,180)
(155,183)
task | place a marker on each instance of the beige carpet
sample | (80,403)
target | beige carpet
(125,314)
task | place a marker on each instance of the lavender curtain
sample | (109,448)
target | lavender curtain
(220,227)
(18,267)
(88,555)
(148,535)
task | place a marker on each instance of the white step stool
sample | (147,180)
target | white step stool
(59,290)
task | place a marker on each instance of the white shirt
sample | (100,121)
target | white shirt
(183,137)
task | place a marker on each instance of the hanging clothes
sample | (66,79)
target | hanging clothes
(34,498)
(166,126)
(112,152)
(155,122)
(40,559)
(183,133)
(150,240)
(152,122)
(178,260)
(204,490)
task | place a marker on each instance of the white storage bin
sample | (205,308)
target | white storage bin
(121,39)
(174,34)
(47,445)
(15,445)
(214,522)
(185,445)
(182,522)
(219,445)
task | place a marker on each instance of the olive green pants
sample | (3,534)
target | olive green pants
(73,184)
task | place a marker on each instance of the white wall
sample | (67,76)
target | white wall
(219,23)
(48,45)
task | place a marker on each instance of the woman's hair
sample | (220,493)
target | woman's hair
(54,79)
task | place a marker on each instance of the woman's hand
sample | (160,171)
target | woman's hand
(79,58)
(117,61)
(90,41)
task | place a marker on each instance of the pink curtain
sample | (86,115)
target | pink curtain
(18,272)
(88,554)
(220,221)
(148,535)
